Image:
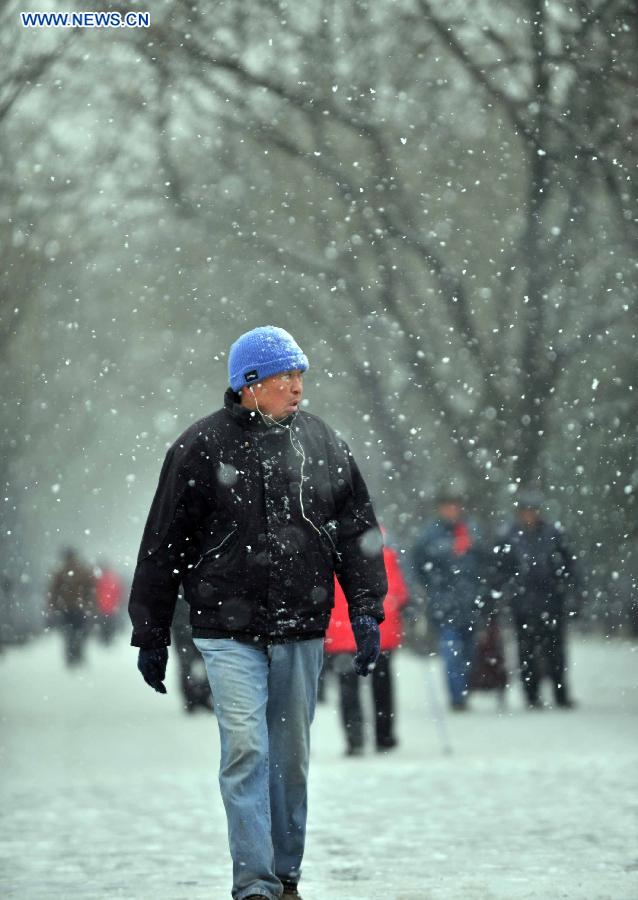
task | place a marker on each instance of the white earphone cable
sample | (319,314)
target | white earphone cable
(299,450)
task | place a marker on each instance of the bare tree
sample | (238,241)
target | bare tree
(345,111)
(438,198)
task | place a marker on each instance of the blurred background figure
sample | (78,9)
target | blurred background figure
(109,593)
(7,592)
(193,680)
(449,562)
(71,604)
(538,577)
(489,671)
(340,648)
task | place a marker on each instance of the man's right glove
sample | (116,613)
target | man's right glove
(152,665)
(368,638)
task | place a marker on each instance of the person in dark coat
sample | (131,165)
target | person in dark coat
(258,506)
(538,575)
(71,604)
(449,560)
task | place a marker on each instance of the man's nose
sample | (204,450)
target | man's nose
(296,384)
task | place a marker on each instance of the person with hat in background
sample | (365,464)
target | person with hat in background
(449,562)
(538,575)
(258,506)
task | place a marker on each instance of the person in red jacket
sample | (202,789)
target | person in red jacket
(341,647)
(109,593)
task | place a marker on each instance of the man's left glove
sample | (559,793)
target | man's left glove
(152,665)
(368,638)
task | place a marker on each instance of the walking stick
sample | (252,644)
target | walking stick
(437,713)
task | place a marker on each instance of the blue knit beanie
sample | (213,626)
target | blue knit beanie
(263,352)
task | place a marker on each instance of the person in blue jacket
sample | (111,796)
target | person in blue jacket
(449,563)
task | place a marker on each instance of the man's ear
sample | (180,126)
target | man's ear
(247,392)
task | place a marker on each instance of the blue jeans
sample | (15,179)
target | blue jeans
(264,701)
(456,646)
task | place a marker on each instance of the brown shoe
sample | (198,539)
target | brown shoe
(290,891)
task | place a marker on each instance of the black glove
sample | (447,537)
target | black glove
(368,638)
(152,665)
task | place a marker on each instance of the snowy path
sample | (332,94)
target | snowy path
(108,790)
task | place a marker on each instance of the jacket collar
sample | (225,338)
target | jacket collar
(446,525)
(248,418)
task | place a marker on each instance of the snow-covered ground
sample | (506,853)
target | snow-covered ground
(109,790)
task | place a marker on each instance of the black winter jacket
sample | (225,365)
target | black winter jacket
(255,549)
(537,570)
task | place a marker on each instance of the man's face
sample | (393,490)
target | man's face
(450,512)
(278,396)
(528,517)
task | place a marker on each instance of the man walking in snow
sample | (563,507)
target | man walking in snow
(258,506)
(539,575)
(71,604)
(449,562)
